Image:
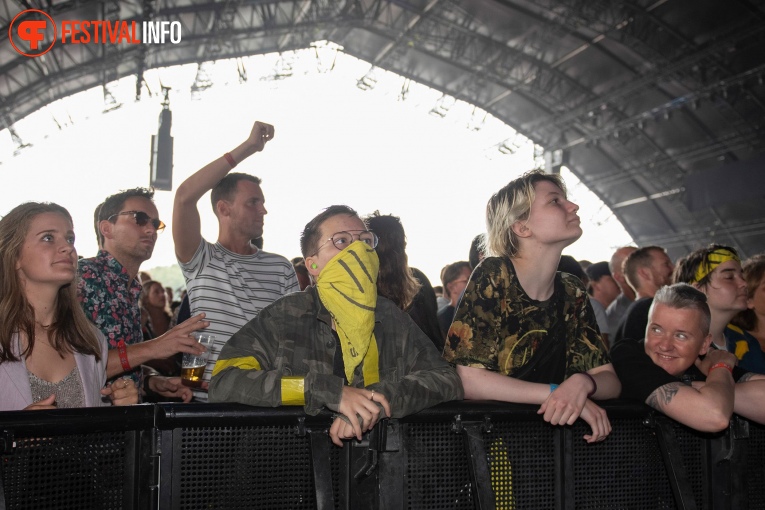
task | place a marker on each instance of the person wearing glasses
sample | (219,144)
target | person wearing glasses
(126,226)
(230,280)
(454,278)
(337,344)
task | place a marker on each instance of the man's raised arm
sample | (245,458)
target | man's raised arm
(187,233)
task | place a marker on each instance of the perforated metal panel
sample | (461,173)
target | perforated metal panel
(691,445)
(336,458)
(624,471)
(66,472)
(437,474)
(755,467)
(244,467)
(522,464)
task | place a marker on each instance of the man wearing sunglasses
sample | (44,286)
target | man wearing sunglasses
(231,280)
(126,226)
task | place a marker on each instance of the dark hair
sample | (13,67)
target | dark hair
(570,265)
(477,252)
(112,206)
(395,280)
(754,272)
(687,267)
(451,272)
(70,330)
(309,238)
(637,259)
(683,296)
(226,187)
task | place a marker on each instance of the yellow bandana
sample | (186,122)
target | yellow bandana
(348,288)
(713,260)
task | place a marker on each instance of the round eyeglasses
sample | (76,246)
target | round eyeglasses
(342,240)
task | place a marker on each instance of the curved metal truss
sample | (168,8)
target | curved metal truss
(641,98)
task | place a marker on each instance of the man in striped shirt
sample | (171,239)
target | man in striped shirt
(230,280)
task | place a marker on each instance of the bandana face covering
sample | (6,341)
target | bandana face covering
(713,260)
(347,286)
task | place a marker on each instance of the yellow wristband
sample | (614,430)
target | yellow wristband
(293,391)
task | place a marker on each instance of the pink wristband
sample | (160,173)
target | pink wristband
(230,160)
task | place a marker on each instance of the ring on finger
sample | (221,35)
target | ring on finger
(372,396)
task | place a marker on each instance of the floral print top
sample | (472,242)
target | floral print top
(497,326)
(110,301)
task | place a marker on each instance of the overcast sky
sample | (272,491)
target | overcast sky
(334,144)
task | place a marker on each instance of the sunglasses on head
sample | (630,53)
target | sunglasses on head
(141,219)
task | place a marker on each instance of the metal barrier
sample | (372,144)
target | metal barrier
(457,455)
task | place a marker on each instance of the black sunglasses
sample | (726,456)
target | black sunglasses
(141,219)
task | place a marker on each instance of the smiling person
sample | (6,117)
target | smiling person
(232,280)
(666,372)
(337,344)
(126,226)
(524,332)
(716,271)
(50,355)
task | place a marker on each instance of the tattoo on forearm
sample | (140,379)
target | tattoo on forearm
(663,395)
(746,377)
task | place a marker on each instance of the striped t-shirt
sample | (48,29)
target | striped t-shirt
(231,289)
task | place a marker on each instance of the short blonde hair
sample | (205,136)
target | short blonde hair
(510,204)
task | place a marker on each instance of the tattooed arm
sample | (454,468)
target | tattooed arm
(707,408)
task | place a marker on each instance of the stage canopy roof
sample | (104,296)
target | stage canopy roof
(657,105)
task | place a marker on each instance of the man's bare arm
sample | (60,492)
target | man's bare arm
(187,232)
(750,397)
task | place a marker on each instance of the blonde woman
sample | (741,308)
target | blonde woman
(524,332)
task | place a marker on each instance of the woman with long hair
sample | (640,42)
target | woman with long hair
(524,332)
(156,321)
(406,286)
(50,355)
(153,302)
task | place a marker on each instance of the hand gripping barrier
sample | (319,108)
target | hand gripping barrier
(471,455)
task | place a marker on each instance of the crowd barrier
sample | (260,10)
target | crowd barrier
(477,455)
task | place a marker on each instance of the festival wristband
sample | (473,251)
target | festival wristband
(553,387)
(230,159)
(594,384)
(721,365)
(122,349)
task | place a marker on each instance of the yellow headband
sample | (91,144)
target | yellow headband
(713,260)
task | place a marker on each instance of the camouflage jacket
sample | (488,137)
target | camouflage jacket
(293,339)
(499,327)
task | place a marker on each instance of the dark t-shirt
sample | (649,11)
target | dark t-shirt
(424,310)
(640,376)
(445,317)
(635,321)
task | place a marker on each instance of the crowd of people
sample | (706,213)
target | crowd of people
(350,327)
